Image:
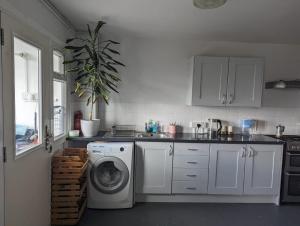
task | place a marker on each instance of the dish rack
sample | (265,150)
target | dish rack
(123,130)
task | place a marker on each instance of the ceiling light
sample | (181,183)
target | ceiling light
(208,4)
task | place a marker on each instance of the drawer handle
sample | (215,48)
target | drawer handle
(192,162)
(193,149)
(191,175)
(190,188)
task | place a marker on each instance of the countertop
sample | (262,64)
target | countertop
(180,137)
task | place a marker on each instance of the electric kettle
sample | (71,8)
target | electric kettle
(215,127)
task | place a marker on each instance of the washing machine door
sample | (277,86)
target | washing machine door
(109,175)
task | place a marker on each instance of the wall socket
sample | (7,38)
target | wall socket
(193,124)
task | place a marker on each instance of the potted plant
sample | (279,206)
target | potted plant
(94,64)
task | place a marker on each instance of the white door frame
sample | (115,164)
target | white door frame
(2,200)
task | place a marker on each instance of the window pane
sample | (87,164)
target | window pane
(58,60)
(27,65)
(59,100)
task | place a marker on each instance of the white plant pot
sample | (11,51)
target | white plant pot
(90,128)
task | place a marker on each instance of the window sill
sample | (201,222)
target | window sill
(58,138)
(28,150)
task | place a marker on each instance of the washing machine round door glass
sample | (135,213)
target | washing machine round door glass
(109,175)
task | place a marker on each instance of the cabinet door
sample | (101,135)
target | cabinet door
(209,81)
(154,167)
(263,169)
(245,82)
(226,169)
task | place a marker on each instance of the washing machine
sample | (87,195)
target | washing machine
(110,175)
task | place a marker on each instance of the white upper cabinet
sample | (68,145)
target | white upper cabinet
(245,80)
(226,81)
(226,169)
(263,169)
(208,81)
(154,167)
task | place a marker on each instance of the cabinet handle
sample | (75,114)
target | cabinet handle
(230,99)
(244,152)
(224,99)
(171,150)
(192,162)
(293,174)
(252,152)
(191,175)
(193,149)
(190,188)
(290,154)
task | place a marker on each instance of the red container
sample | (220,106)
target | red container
(77,118)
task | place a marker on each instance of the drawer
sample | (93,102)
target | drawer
(191,149)
(191,161)
(189,174)
(189,187)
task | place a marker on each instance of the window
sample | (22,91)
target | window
(58,66)
(27,76)
(59,95)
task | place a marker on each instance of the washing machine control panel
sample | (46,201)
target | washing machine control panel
(107,150)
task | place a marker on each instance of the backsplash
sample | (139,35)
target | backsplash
(138,114)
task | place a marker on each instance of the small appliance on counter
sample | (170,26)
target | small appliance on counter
(215,127)
(248,126)
(279,130)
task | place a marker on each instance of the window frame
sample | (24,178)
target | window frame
(59,78)
(31,148)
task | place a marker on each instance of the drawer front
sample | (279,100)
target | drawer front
(191,161)
(191,149)
(180,174)
(189,187)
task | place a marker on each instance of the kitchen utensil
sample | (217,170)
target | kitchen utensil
(279,130)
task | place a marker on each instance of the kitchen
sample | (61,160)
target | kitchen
(181,69)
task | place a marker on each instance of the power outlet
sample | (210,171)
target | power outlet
(193,124)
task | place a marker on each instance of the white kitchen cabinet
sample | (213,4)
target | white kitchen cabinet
(263,169)
(226,169)
(245,80)
(208,81)
(226,81)
(154,167)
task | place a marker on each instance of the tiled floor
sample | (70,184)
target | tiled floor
(168,214)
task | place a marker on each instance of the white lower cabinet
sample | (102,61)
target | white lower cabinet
(236,169)
(196,168)
(226,169)
(154,167)
(190,168)
(263,169)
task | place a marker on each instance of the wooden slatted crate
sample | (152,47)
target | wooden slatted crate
(69,186)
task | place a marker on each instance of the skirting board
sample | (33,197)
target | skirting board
(207,198)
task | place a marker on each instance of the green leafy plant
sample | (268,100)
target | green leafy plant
(94,64)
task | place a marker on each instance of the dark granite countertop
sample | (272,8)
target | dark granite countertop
(182,137)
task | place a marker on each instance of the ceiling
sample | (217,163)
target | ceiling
(271,21)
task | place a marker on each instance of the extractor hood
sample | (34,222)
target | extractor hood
(283,84)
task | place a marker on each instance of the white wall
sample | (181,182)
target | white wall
(154,84)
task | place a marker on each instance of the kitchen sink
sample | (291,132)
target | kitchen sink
(154,135)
